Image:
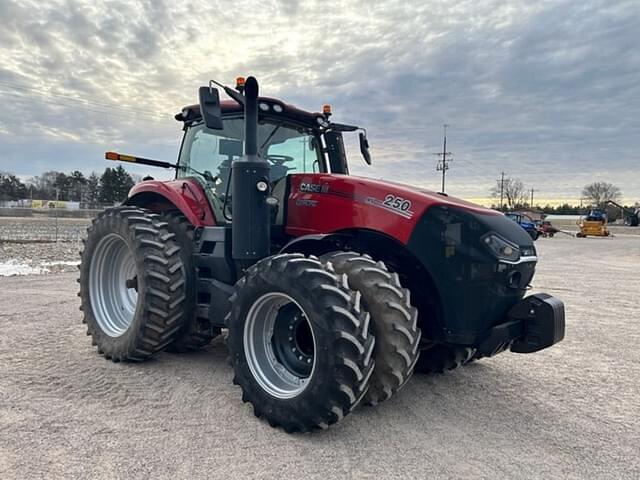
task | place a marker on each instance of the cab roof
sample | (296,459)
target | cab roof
(191,113)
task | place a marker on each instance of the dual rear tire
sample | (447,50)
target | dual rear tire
(133,285)
(137,285)
(195,332)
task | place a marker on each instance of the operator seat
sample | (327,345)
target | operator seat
(278,190)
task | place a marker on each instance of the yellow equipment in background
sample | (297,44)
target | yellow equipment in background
(594,224)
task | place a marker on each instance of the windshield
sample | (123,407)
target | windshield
(287,149)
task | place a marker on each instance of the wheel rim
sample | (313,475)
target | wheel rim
(280,345)
(113,285)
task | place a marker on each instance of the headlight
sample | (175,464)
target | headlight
(264,106)
(501,248)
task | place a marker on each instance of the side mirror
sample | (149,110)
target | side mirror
(364,147)
(336,153)
(210,107)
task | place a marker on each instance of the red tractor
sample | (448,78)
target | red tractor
(333,288)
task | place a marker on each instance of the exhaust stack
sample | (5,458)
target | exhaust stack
(250,186)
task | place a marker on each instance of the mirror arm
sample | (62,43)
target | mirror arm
(238,97)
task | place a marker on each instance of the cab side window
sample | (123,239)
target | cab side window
(293,155)
(211,150)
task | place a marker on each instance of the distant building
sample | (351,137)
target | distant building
(40,204)
(533,215)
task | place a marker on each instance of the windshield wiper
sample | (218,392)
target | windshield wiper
(206,174)
(269,137)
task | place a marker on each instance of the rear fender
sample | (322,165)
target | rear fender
(185,195)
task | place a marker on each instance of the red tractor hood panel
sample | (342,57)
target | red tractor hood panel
(325,203)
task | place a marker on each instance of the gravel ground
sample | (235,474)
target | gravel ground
(25,258)
(571,411)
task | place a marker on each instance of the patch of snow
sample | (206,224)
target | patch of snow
(72,263)
(11,268)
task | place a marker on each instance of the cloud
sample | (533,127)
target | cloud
(544,91)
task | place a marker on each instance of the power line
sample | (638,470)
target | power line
(445,158)
(74,99)
(87,105)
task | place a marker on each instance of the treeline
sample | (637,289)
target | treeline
(566,209)
(512,194)
(107,189)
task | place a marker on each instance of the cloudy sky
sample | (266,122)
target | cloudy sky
(546,91)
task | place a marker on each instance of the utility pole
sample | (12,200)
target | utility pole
(443,162)
(502,191)
(531,204)
(56,210)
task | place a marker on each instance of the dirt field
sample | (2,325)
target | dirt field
(572,411)
(43,228)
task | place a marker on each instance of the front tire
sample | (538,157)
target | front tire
(132,284)
(299,343)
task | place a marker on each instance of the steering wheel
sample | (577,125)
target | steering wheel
(279,160)
(278,168)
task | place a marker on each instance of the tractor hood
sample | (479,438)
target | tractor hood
(423,201)
(329,202)
(435,197)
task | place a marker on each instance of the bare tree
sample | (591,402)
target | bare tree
(598,193)
(513,192)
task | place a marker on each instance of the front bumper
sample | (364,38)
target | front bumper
(534,323)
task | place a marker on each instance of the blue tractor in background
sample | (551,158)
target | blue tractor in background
(526,223)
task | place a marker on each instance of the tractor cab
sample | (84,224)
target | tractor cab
(290,140)
(596,215)
(525,222)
